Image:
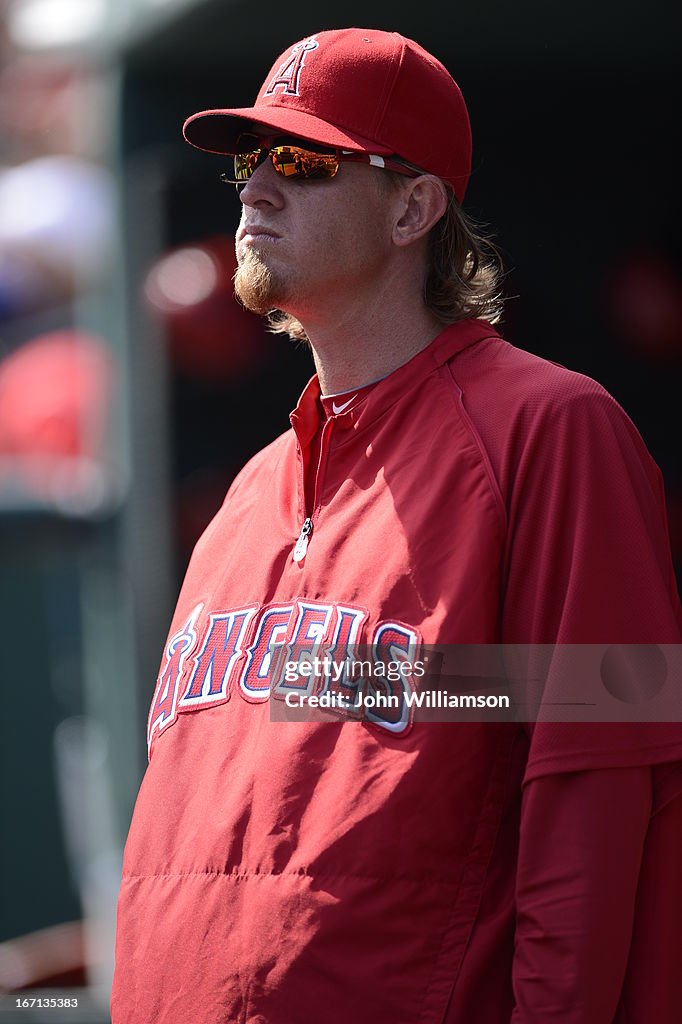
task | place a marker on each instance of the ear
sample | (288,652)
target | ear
(423,203)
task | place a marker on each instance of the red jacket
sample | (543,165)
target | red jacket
(278,873)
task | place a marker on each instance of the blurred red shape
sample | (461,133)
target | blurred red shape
(644,304)
(55,400)
(54,395)
(189,289)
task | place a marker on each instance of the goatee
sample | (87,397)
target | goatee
(254,285)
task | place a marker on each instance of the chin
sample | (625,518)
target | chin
(255,284)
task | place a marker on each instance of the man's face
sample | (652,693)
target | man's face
(303,245)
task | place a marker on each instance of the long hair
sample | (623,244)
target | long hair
(463,276)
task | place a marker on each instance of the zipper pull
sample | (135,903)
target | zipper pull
(302,542)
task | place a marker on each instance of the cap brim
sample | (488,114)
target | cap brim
(217,131)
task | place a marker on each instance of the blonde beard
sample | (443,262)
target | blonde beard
(254,285)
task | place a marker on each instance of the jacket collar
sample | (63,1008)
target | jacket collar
(308,414)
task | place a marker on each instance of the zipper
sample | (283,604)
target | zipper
(304,536)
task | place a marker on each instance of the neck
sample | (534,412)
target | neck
(360,342)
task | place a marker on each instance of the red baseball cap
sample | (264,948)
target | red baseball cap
(357,89)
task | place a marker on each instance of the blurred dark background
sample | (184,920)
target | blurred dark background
(167,387)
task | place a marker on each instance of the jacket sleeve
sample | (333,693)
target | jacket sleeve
(588,563)
(588,573)
(581,842)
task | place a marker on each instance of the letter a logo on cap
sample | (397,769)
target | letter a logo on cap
(290,71)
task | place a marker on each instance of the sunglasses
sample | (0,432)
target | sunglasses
(292,158)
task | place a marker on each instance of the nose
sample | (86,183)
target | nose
(263,188)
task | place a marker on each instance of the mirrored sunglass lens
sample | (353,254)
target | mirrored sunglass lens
(293,162)
(245,164)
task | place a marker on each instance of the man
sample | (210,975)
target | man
(438,487)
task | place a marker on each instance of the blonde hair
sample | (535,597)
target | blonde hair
(463,276)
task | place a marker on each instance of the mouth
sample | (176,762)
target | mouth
(256,233)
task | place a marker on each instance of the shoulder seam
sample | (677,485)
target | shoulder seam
(476,438)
